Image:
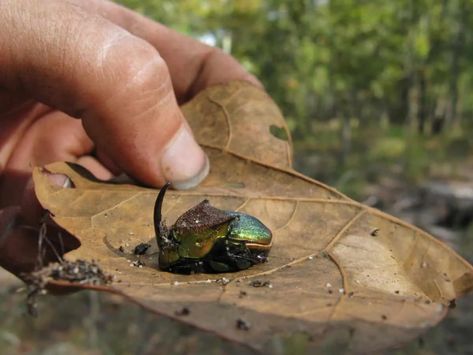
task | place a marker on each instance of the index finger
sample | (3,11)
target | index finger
(117,83)
(193,65)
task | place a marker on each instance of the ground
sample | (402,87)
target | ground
(384,169)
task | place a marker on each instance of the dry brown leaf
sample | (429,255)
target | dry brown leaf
(339,272)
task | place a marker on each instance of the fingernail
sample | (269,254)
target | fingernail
(60,180)
(184,163)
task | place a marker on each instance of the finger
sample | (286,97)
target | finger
(95,167)
(192,64)
(53,136)
(117,83)
(31,210)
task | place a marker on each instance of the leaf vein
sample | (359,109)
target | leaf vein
(227,120)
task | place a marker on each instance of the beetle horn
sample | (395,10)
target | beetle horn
(157,217)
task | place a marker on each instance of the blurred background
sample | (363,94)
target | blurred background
(378,97)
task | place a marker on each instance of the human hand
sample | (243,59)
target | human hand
(122,74)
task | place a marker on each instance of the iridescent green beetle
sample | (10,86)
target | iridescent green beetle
(207,239)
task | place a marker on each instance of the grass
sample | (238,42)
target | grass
(90,323)
(94,323)
(379,152)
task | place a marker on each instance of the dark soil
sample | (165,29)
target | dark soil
(79,271)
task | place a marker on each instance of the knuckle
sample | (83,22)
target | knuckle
(144,68)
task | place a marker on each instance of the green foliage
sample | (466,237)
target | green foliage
(403,60)
(372,86)
(380,153)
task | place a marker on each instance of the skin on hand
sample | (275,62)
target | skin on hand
(121,74)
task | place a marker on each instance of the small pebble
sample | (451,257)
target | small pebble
(136,263)
(260,283)
(184,311)
(222,281)
(141,248)
(242,325)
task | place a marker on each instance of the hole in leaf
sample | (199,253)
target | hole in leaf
(279,132)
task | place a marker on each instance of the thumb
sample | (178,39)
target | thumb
(118,84)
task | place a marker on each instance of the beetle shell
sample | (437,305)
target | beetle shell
(249,229)
(207,239)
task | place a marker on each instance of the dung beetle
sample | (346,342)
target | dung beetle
(207,239)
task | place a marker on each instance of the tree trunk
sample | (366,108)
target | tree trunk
(457,52)
(422,102)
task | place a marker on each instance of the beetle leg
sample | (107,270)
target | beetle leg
(240,255)
(233,255)
(187,266)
